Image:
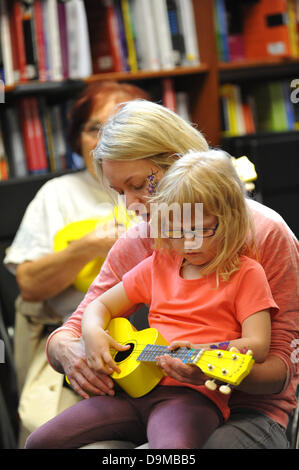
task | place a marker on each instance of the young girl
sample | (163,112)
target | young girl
(202,289)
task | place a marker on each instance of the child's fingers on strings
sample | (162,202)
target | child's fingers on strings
(179,344)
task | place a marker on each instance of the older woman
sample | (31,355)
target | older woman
(136,147)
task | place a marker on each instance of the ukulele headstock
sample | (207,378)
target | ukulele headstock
(230,367)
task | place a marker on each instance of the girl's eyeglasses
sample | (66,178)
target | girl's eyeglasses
(197,232)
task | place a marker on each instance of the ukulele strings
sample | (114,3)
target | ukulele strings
(203,358)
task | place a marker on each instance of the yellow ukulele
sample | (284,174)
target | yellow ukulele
(139,373)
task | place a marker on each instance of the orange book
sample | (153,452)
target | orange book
(266,31)
(248,118)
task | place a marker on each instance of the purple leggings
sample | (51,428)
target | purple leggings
(168,417)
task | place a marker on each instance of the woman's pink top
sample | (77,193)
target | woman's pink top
(278,251)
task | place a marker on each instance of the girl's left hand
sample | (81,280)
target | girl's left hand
(177,370)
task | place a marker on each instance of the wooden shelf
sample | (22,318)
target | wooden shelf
(265,62)
(37,178)
(60,86)
(256,69)
(148,74)
(37,87)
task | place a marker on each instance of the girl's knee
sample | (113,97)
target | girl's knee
(40,439)
(33,442)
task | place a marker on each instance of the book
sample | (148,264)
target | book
(130,35)
(188,28)
(121,37)
(4,170)
(221,30)
(279,119)
(266,32)
(58,137)
(80,64)
(168,94)
(270,107)
(40,40)
(248,114)
(31,129)
(30,42)
(105,43)
(292,25)
(5,42)
(162,32)
(13,41)
(177,38)
(13,143)
(289,109)
(47,131)
(146,42)
(63,39)
(182,105)
(229,110)
(39,139)
(233,13)
(238,105)
(51,26)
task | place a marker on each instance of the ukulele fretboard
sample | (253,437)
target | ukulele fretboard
(151,351)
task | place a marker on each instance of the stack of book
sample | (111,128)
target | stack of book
(256,30)
(33,138)
(43,40)
(132,35)
(266,107)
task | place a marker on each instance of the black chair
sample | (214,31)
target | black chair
(14,198)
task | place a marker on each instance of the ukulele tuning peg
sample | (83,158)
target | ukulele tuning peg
(249,352)
(234,350)
(211,385)
(225,389)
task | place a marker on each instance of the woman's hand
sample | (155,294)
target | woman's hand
(67,355)
(102,238)
(46,277)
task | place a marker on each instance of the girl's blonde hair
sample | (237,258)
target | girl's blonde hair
(143,129)
(210,178)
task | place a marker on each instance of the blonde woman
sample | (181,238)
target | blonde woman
(220,295)
(136,147)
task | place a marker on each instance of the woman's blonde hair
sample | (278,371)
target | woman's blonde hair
(143,129)
(210,178)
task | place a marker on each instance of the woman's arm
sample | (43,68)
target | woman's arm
(67,354)
(48,276)
(256,336)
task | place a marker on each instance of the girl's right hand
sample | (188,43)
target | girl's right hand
(98,347)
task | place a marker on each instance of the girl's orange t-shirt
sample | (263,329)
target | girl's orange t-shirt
(197,310)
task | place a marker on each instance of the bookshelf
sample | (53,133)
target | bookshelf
(200,81)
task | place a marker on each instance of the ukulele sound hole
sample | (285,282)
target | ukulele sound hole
(122,355)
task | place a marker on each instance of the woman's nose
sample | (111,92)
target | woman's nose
(132,201)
